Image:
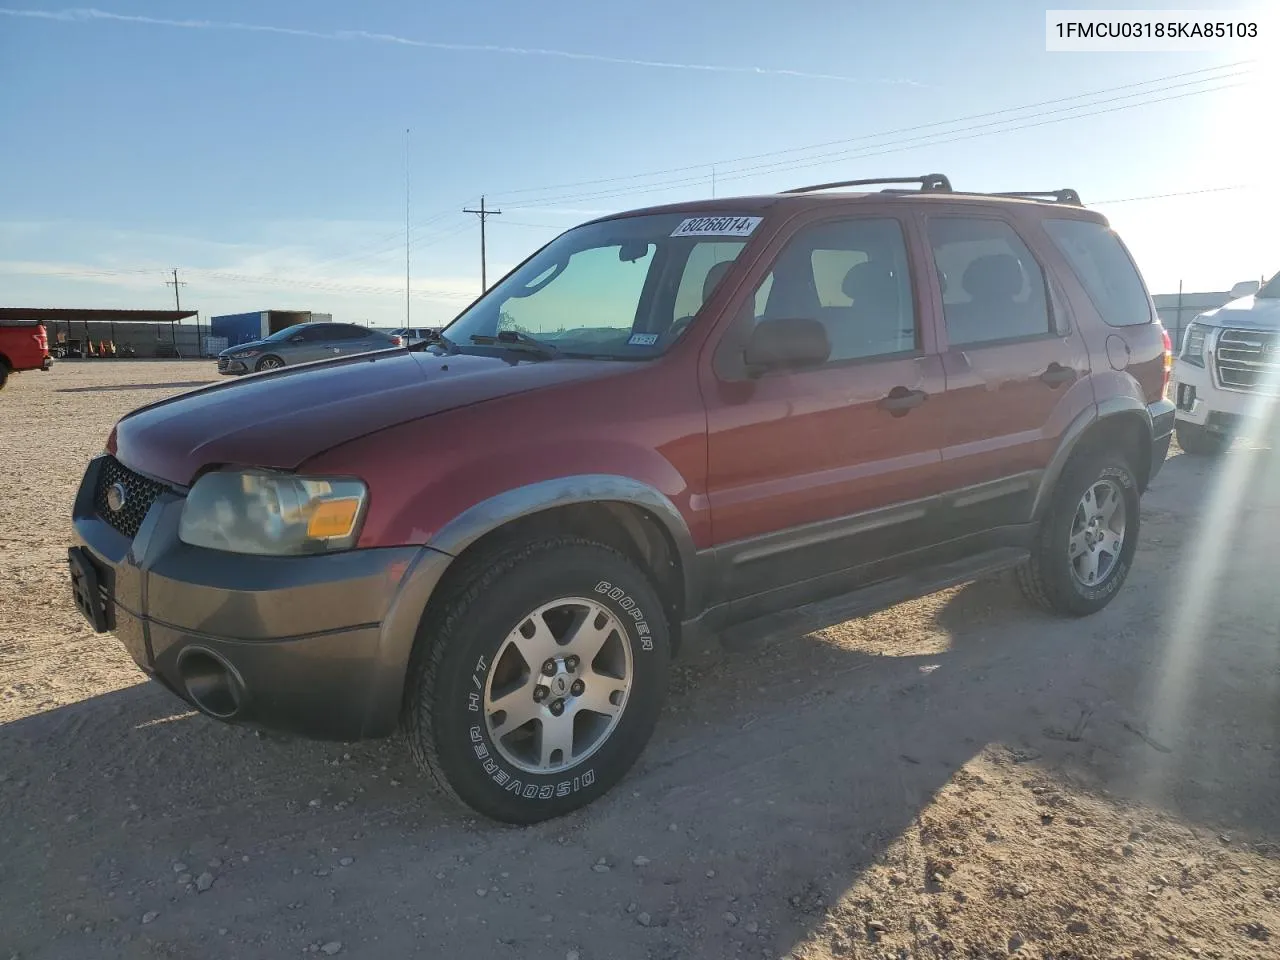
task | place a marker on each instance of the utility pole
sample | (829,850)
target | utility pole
(406,228)
(483,214)
(713,181)
(177,301)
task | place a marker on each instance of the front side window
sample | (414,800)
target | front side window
(852,276)
(621,289)
(1104,268)
(992,287)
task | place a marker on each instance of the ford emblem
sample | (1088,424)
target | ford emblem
(117,496)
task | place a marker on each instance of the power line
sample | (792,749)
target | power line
(926,140)
(1165,196)
(484,215)
(894,132)
(802,162)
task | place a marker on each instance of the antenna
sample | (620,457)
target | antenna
(406,227)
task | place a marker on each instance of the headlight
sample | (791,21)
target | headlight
(257,511)
(245,354)
(1193,344)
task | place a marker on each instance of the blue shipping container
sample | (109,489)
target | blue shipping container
(239,328)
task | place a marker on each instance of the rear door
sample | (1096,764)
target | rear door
(1016,367)
(809,473)
(350,339)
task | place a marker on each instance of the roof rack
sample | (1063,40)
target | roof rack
(928,182)
(1066,195)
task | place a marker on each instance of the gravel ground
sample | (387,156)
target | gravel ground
(958,776)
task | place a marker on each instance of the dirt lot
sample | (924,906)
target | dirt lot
(954,777)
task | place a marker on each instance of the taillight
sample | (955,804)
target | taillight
(397,341)
(1168,361)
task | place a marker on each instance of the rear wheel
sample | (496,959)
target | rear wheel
(1198,441)
(269,362)
(1087,538)
(538,680)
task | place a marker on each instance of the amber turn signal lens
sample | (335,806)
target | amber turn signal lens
(332,518)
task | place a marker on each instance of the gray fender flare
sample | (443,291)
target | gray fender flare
(1071,437)
(400,627)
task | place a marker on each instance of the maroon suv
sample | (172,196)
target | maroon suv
(663,421)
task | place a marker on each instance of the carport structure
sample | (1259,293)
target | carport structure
(54,317)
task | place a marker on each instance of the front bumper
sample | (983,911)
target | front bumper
(233,367)
(1201,401)
(316,646)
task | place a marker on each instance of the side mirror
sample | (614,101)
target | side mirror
(296,338)
(1245,288)
(786,342)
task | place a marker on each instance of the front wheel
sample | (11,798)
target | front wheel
(1199,442)
(1085,544)
(269,362)
(538,679)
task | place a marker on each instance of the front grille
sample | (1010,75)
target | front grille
(223,363)
(1248,360)
(139,493)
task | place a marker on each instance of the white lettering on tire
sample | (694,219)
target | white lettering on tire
(628,604)
(534,791)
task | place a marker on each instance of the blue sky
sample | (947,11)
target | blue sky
(260,147)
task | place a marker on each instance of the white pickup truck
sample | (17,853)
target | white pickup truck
(1227,373)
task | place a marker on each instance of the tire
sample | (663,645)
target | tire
(4,374)
(269,362)
(1060,583)
(1198,441)
(470,660)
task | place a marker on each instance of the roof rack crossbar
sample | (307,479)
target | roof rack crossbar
(928,182)
(1066,195)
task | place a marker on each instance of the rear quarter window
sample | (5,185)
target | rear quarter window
(1105,270)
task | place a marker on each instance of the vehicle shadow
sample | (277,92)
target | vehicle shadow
(117,387)
(777,777)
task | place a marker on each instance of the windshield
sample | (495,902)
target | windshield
(1271,289)
(622,289)
(285,334)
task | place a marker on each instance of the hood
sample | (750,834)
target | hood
(251,345)
(1262,313)
(280,419)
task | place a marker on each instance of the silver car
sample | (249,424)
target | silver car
(303,343)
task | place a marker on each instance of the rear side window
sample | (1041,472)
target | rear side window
(992,287)
(1105,269)
(342,332)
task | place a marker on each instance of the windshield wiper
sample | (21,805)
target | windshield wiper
(514,338)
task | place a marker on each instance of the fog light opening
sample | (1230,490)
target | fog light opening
(211,683)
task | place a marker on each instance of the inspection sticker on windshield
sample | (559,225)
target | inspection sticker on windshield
(642,339)
(717,227)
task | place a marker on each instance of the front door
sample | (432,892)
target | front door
(1017,370)
(814,472)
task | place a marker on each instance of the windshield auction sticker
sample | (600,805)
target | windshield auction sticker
(717,227)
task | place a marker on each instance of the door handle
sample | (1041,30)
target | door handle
(902,401)
(1057,375)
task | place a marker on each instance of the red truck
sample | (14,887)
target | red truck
(23,346)
(663,422)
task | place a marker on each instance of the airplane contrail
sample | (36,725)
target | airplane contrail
(88,14)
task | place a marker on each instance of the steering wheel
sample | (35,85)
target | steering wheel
(676,329)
